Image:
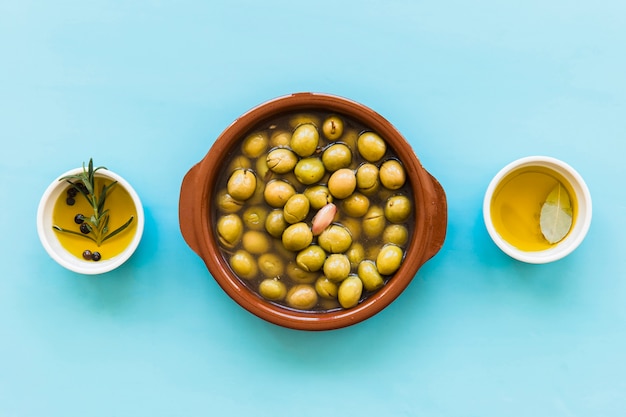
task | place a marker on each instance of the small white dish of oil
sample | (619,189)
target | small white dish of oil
(69,249)
(513,204)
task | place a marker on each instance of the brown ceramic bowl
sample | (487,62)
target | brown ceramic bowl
(197,219)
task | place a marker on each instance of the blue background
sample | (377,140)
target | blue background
(145,87)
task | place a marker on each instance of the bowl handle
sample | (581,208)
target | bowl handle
(438,220)
(186,212)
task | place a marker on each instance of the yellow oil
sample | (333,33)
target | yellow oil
(121,208)
(516,206)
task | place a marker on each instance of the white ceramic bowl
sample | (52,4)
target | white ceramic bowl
(49,237)
(582,214)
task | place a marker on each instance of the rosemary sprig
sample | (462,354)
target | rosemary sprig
(98,223)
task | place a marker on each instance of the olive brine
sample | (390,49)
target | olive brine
(314,211)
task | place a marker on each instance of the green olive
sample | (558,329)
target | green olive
(355,254)
(255,144)
(279,249)
(397,234)
(336,267)
(384,194)
(354,226)
(335,239)
(299,275)
(355,205)
(371,146)
(342,183)
(367,178)
(374,222)
(242,184)
(350,137)
(369,275)
(227,203)
(389,259)
(337,156)
(261,167)
(239,162)
(304,118)
(258,197)
(398,208)
(272,289)
(275,223)
(243,264)
(372,251)
(311,258)
(280,138)
(229,230)
(281,160)
(350,291)
(328,304)
(271,265)
(296,208)
(256,242)
(290,178)
(309,170)
(277,192)
(318,196)
(305,139)
(297,237)
(332,127)
(254,217)
(302,297)
(392,174)
(326,288)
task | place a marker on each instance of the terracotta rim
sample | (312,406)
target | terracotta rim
(196,217)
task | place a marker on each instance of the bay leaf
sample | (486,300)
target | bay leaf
(555,219)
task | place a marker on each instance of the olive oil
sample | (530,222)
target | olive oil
(516,206)
(121,208)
